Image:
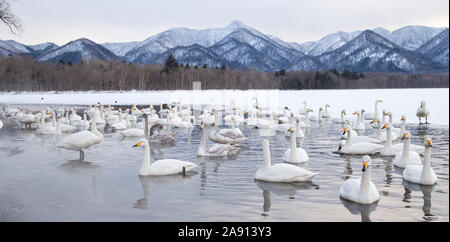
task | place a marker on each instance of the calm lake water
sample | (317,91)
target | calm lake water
(40,182)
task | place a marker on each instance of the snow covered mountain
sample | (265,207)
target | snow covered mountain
(408,49)
(436,48)
(78,50)
(370,52)
(120,49)
(409,37)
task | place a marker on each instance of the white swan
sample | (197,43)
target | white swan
(326,114)
(359,125)
(137,132)
(303,110)
(342,119)
(82,140)
(421,174)
(295,154)
(298,128)
(285,118)
(361,190)
(383,136)
(74,116)
(1,124)
(82,124)
(122,124)
(51,129)
(392,150)
(161,167)
(280,172)
(307,125)
(319,116)
(407,157)
(360,148)
(422,112)
(215,150)
(374,115)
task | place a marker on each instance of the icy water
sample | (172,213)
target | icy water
(39,182)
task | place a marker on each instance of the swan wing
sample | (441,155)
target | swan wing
(286,173)
(170,166)
(80,140)
(413,173)
(350,189)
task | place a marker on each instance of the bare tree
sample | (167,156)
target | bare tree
(9,18)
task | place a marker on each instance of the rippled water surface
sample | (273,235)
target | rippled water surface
(39,182)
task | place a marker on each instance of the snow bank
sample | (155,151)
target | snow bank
(398,101)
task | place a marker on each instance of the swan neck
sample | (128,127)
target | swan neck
(146,161)
(145,125)
(201,148)
(388,137)
(403,127)
(365,181)
(406,152)
(53,119)
(293,154)
(266,157)
(376,111)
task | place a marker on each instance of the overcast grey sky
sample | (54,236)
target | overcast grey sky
(61,21)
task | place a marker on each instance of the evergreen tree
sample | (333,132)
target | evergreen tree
(69,63)
(171,62)
(205,66)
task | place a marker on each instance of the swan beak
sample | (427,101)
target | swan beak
(137,145)
(345,131)
(364,166)
(429,142)
(384,127)
(404,136)
(355,113)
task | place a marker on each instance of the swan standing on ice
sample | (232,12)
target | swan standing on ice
(280,172)
(361,190)
(421,174)
(375,115)
(82,140)
(422,112)
(407,157)
(295,154)
(215,150)
(161,167)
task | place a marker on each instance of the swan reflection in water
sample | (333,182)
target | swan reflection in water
(168,180)
(281,189)
(83,167)
(426,192)
(358,208)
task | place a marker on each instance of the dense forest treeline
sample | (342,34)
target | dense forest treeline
(19,73)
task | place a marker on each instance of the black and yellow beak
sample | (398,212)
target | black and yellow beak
(137,145)
(364,166)
(429,142)
(345,131)
(404,136)
(384,126)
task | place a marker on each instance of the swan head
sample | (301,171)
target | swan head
(327,105)
(356,112)
(362,110)
(428,142)
(141,143)
(291,129)
(292,114)
(345,130)
(202,126)
(406,135)
(403,118)
(366,162)
(422,103)
(386,126)
(343,111)
(379,101)
(320,109)
(309,110)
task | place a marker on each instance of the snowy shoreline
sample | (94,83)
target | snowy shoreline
(398,101)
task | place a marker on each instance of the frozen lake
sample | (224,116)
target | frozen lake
(398,101)
(39,182)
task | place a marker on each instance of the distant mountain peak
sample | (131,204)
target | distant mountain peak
(237,24)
